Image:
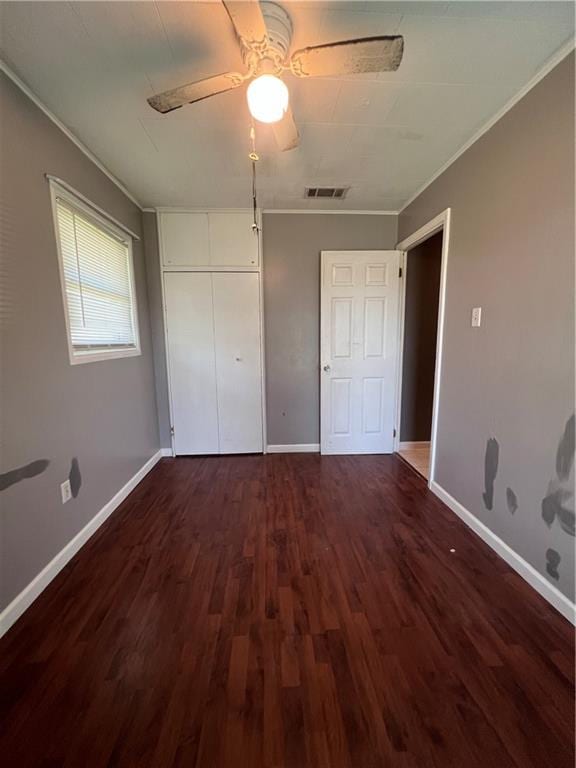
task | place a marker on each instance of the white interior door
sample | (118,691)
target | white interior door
(192,361)
(238,361)
(359,323)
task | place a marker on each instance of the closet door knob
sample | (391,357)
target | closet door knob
(327,368)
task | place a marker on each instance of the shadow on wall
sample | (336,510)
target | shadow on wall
(75,477)
(557,505)
(35,468)
(25,472)
(490,471)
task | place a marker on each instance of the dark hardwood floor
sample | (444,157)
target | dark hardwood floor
(286,612)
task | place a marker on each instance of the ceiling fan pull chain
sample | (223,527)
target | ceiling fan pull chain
(254,157)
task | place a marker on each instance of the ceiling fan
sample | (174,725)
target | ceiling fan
(264,31)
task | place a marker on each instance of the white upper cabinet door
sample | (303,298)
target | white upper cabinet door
(238,361)
(185,239)
(359,325)
(233,243)
(192,361)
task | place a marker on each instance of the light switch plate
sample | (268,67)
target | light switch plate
(66,491)
(476,317)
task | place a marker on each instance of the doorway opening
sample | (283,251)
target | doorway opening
(419,351)
(420,344)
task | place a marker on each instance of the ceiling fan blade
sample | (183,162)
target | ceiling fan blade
(246,15)
(349,57)
(201,89)
(286,132)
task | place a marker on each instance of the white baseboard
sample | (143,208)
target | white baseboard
(294,448)
(21,602)
(413,444)
(166,452)
(548,591)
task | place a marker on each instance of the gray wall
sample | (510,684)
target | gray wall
(420,331)
(292,245)
(103,414)
(512,380)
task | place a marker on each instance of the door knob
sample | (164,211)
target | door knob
(327,368)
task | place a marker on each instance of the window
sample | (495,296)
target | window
(97,281)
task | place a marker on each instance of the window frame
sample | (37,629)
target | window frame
(101,219)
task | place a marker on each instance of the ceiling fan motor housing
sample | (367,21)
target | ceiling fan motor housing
(279,26)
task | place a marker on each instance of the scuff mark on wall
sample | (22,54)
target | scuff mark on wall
(75,477)
(511,501)
(490,470)
(22,473)
(553,508)
(565,452)
(552,563)
(558,504)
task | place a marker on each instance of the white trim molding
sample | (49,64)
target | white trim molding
(552,62)
(294,448)
(193,209)
(425,231)
(329,211)
(65,130)
(167,452)
(63,186)
(538,582)
(440,223)
(21,602)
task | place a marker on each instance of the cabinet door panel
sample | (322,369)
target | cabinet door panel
(185,239)
(192,361)
(232,241)
(238,364)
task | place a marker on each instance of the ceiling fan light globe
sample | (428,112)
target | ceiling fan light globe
(267,99)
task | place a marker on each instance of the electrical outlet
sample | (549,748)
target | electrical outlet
(66,491)
(476,317)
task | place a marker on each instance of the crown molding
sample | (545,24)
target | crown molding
(552,62)
(65,130)
(194,209)
(330,211)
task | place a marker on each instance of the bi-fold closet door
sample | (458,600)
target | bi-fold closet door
(214,357)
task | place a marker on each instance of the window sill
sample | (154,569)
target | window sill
(79,358)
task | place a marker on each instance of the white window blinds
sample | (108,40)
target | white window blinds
(97,275)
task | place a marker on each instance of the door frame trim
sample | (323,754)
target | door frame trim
(440,223)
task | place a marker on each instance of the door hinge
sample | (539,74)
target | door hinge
(172,430)
(399,271)
(393,433)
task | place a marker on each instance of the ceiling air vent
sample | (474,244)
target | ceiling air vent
(333,193)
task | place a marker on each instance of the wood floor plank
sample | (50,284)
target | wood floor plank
(287,611)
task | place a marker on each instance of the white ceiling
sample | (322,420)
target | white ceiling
(93,64)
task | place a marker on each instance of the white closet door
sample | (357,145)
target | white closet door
(191,357)
(185,239)
(238,364)
(232,240)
